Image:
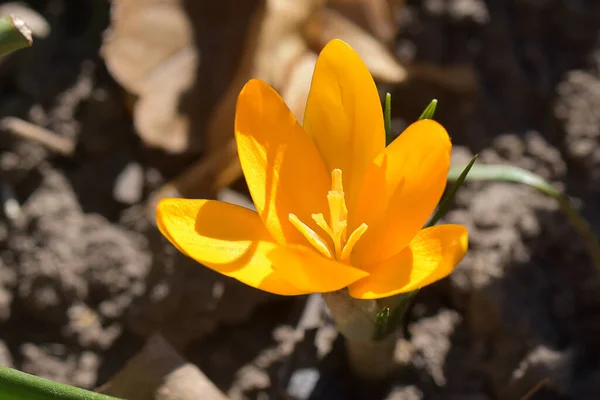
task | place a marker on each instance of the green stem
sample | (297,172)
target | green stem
(14,35)
(372,360)
(17,385)
(387,118)
(509,173)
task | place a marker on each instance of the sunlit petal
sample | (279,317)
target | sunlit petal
(429,257)
(226,238)
(312,272)
(282,166)
(401,189)
(344,115)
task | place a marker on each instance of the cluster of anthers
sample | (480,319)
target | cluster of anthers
(337,229)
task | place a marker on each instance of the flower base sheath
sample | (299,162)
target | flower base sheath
(335,207)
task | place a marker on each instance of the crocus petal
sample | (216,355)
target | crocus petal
(283,168)
(226,238)
(344,116)
(312,272)
(429,257)
(401,189)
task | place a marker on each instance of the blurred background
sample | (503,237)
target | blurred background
(120,103)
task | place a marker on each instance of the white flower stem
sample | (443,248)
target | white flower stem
(356,321)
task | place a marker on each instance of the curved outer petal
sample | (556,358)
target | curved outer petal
(429,257)
(283,168)
(313,272)
(401,189)
(344,116)
(226,238)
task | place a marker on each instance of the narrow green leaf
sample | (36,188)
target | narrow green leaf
(14,34)
(429,111)
(381,323)
(508,173)
(442,208)
(505,173)
(388,319)
(387,118)
(17,385)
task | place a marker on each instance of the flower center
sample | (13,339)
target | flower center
(337,227)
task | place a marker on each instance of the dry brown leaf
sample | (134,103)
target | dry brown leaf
(153,48)
(144,36)
(329,24)
(374,16)
(157,115)
(149,50)
(273,45)
(272,49)
(186,62)
(280,41)
(159,372)
(295,92)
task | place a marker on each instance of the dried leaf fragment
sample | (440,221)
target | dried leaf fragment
(329,24)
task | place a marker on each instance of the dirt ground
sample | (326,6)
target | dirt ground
(86,278)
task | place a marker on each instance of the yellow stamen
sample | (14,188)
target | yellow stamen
(337,227)
(320,221)
(338,213)
(357,234)
(336,181)
(310,235)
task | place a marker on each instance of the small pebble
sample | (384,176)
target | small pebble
(130,184)
(302,383)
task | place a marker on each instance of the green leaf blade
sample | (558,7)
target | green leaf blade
(444,205)
(429,111)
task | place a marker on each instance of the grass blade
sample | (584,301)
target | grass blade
(508,173)
(17,385)
(445,203)
(429,110)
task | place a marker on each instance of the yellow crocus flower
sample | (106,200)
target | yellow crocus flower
(335,207)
